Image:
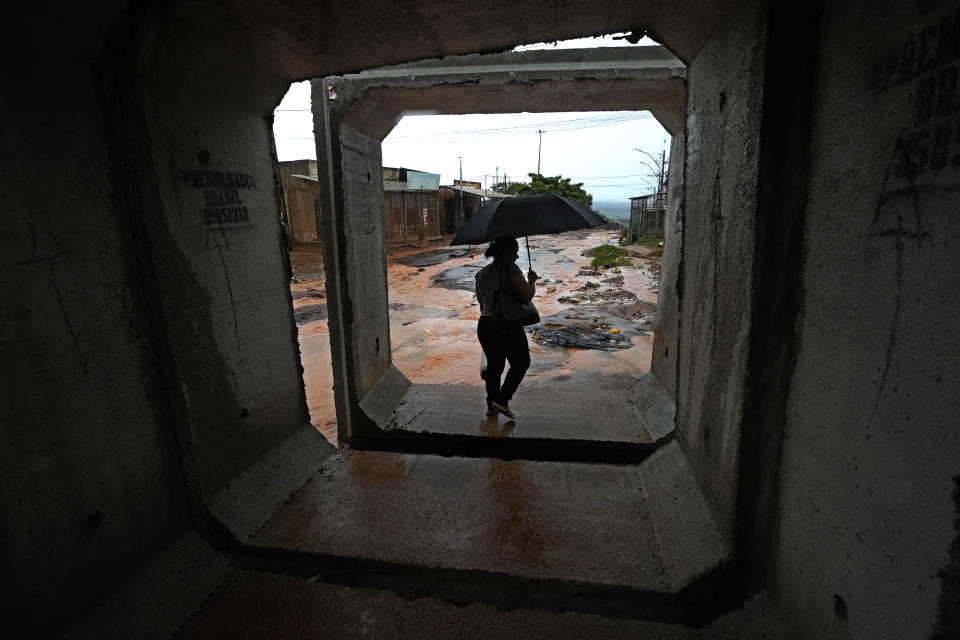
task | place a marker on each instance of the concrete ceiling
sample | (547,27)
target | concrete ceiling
(611,79)
(300,39)
(380,109)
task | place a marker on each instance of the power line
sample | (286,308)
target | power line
(630,175)
(559,125)
(604,117)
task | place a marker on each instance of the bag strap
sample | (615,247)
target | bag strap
(500,279)
(496,294)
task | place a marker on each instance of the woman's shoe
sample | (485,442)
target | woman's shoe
(502,408)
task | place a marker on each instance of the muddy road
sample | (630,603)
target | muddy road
(596,324)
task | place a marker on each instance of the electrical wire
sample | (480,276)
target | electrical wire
(573,124)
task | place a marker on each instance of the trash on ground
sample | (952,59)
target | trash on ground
(573,336)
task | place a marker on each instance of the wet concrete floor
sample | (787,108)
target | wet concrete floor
(644,528)
(594,424)
(539,520)
(258,605)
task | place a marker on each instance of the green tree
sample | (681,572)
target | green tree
(556,185)
(513,188)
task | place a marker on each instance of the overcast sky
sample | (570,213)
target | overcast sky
(596,148)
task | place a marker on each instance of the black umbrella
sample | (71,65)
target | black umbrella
(526,216)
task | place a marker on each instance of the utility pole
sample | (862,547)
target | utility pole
(539,146)
(659,169)
(460,216)
(663,168)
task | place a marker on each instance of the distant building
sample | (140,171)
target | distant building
(301,198)
(462,200)
(647,214)
(411,205)
(415,206)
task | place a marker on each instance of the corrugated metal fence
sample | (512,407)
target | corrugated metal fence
(647,215)
(303,213)
(411,215)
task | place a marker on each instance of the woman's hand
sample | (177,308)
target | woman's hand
(522,289)
(532,276)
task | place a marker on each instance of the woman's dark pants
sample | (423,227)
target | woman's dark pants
(502,346)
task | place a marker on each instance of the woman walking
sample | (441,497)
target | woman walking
(503,344)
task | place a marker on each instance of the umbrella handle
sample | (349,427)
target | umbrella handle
(529,261)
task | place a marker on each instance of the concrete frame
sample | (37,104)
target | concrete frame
(349,130)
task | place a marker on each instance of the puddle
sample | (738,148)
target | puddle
(312,292)
(310,313)
(430,258)
(459,277)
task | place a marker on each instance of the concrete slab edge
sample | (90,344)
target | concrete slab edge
(380,402)
(690,539)
(464,587)
(249,499)
(471,446)
(653,401)
(620,60)
(159,599)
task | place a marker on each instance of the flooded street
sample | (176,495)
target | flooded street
(433,317)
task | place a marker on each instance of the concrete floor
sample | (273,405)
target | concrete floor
(390,545)
(257,605)
(594,425)
(535,528)
(539,520)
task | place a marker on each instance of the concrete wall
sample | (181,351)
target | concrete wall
(149,354)
(716,263)
(211,203)
(664,362)
(351,188)
(366,108)
(871,445)
(91,480)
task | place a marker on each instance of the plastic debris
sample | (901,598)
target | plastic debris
(576,337)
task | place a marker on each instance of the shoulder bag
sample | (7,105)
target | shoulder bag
(510,312)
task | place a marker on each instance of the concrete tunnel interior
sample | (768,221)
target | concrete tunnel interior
(155,406)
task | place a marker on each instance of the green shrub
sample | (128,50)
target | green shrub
(607,255)
(646,241)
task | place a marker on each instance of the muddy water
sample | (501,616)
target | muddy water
(433,317)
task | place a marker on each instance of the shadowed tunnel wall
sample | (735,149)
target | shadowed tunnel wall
(125,383)
(871,445)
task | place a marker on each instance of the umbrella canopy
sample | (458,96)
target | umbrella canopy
(526,216)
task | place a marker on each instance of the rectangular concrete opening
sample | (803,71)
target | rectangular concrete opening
(524,514)
(303,215)
(595,340)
